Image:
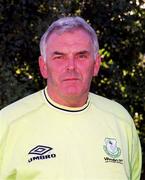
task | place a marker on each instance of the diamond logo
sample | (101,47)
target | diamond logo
(40,150)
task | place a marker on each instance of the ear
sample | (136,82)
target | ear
(43,67)
(97,64)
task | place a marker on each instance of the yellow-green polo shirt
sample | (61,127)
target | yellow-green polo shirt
(42,140)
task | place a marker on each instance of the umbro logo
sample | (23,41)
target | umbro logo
(41,152)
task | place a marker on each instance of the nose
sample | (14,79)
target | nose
(71,63)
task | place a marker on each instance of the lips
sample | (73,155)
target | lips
(71,79)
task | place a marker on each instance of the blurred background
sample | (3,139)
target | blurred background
(120,26)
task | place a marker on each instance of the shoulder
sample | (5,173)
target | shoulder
(20,108)
(110,106)
(24,105)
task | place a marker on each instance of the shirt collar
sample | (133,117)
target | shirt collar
(64,108)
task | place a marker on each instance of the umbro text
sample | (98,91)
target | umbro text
(42,157)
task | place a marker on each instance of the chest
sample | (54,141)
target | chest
(67,147)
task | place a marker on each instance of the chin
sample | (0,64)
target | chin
(73,90)
(72,93)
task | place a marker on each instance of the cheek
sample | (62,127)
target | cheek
(55,74)
(88,72)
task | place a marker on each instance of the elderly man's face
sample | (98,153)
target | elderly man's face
(70,65)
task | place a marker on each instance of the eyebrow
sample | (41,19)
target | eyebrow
(57,53)
(83,52)
(79,52)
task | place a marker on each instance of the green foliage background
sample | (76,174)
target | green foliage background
(120,26)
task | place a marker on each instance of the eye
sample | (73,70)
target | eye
(82,56)
(58,57)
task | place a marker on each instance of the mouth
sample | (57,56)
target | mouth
(71,79)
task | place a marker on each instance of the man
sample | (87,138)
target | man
(64,132)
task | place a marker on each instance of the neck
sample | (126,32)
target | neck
(69,101)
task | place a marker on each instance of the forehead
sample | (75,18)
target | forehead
(74,38)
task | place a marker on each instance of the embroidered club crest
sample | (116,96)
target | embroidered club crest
(111,148)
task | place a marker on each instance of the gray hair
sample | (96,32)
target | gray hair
(67,24)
